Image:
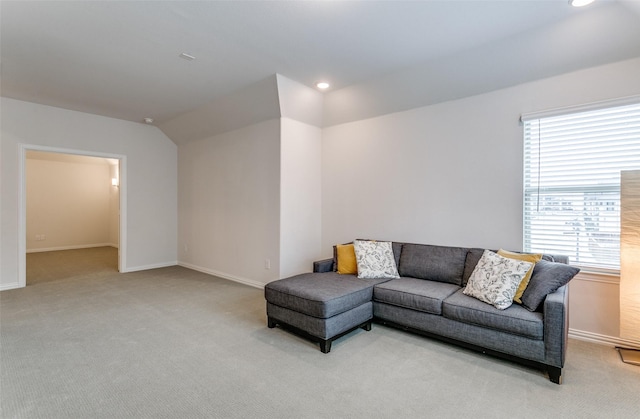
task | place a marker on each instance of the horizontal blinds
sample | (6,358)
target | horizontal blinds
(572,167)
(629,100)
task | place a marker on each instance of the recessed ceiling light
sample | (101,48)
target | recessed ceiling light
(322,85)
(580,3)
(187,57)
(148,120)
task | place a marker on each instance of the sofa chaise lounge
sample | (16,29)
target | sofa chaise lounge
(427,298)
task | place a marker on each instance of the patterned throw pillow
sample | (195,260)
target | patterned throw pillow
(527,257)
(375,259)
(495,279)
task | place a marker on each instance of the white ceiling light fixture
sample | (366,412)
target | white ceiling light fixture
(322,85)
(186,56)
(580,3)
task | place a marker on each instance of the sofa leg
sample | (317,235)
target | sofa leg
(271,323)
(367,326)
(325,346)
(555,375)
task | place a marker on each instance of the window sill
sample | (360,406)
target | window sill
(612,277)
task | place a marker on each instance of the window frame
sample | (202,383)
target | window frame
(581,192)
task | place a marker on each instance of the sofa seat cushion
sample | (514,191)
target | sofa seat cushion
(320,295)
(436,263)
(413,293)
(515,319)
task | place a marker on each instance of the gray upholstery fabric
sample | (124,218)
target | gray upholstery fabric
(547,278)
(322,328)
(320,295)
(515,319)
(325,265)
(417,294)
(436,263)
(508,343)
(327,304)
(556,326)
(397,251)
(472,259)
(556,258)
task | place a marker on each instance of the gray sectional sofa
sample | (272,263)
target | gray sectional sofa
(428,299)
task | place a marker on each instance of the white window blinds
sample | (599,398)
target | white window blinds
(572,167)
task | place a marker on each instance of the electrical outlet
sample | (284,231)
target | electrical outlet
(267,263)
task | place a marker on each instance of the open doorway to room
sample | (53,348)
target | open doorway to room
(71,215)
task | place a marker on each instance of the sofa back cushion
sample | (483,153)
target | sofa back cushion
(472,259)
(397,251)
(436,263)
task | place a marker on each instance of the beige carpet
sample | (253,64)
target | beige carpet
(175,343)
(66,264)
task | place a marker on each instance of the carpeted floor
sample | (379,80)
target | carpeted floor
(175,343)
(66,264)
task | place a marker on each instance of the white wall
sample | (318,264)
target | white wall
(438,175)
(250,198)
(451,173)
(300,196)
(229,203)
(151,177)
(68,204)
(300,176)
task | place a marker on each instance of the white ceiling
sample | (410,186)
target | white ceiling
(120,59)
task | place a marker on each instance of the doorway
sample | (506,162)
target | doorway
(71,202)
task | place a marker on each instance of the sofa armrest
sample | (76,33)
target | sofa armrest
(556,326)
(325,265)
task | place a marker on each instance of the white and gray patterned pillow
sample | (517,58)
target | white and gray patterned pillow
(495,279)
(375,259)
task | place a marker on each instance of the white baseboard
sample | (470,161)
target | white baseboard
(77,246)
(147,267)
(10,286)
(223,275)
(14,285)
(602,339)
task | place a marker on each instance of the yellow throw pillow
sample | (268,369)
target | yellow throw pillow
(527,257)
(346,259)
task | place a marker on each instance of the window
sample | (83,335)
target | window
(572,165)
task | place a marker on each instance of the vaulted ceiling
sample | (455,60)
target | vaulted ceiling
(121,58)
